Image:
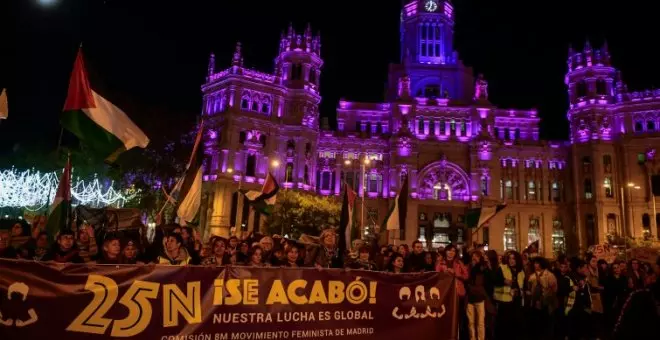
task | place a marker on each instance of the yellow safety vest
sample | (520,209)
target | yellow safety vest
(503,293)
(570,300)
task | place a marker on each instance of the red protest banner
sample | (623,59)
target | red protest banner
(84,301)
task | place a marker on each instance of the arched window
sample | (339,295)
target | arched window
(517,134)
(531,191)
(265,106)
(420,126)
(558,239)
(241,137)
(255,104)
(555,193)
(611,224)
(508,189)
(601,87)
(325,180)
(375,180)
(639,127)
(262,140)
(581,89)
(534,233)
(588,190)
(296,72)
(586,164)
(288,174)
(432,91)
(607,184)
(245,103)
(646,224)
(650,125)
(251,165)
(442,191)
(607,164)
(510,234)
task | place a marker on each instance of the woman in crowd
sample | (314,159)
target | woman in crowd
(256,257)
(220,256)
(292,256)
(131,252)
(542,295)
(477,294)
(363,260)
(111,251)
(636,275)
(396,265)
(509,281)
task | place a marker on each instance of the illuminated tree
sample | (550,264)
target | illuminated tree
(299,213)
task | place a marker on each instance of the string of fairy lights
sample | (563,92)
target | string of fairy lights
(34,190)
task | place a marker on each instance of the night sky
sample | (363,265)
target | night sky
(150,57)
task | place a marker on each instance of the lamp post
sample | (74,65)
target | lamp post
(364,192)
(624,216)
(275,164)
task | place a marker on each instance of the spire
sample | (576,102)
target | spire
(308,30)
(587,46)
(308,38)
(211,69)
(238,59)
(290,34)
(605,53)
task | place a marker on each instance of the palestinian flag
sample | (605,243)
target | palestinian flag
(396,218)
(189,189)
(477,217)
(102,126)
(264,200)
(60,210)
(346,218)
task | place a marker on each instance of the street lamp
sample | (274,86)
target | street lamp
(275,163)
(624,218)
(46,3)
(364,189)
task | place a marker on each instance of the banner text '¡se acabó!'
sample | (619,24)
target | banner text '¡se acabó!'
(175,302)
(246,292)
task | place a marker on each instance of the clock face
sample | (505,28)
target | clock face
(431,6)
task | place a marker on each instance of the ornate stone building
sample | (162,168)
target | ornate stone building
(437,127)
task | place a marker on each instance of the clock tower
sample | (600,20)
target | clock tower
(427,30)
(428,59)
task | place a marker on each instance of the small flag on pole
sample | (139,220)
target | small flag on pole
(190,187)
(60,210)
(4,105)
(101,125)
(477,217)
(346,218)
(396,218)
(264,200)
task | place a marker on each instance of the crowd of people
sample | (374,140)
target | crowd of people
(505,296)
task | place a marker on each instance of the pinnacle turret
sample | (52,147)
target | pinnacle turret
(237,60)
(211,67)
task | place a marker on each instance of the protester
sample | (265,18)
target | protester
(517,298)
(477,294)
(175,253)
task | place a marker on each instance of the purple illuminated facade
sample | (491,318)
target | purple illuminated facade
(438,128)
